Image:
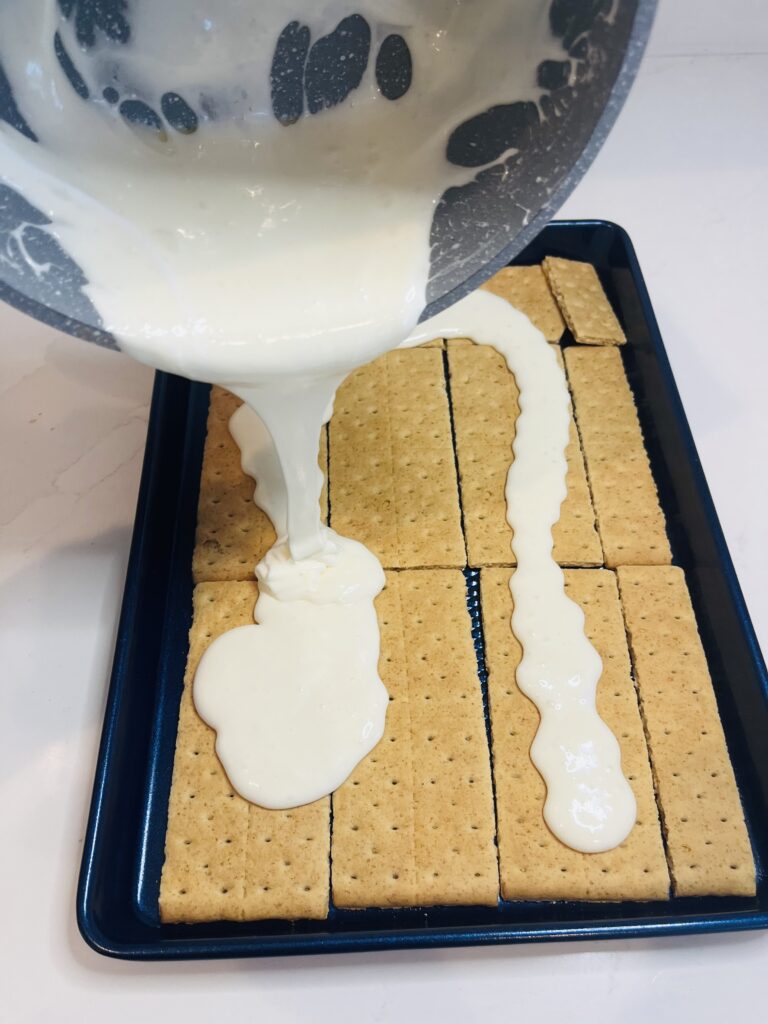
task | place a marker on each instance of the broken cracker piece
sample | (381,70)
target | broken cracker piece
(582,301)
(527,289)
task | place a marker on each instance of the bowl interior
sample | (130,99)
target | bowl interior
(557,72)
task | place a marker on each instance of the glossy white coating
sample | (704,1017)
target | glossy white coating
(590,805)
(296,701)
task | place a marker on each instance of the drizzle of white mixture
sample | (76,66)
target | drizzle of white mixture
(296,701)
(273,261)
(590,805)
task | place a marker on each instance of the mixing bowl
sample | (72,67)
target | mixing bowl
(512,162)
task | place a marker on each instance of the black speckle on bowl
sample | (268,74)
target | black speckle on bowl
(336,63)
(394,67)
(140,113)
(553,74)
(484,138)
(9,112)
(178,113)
(76,80)
(287,73)
(92,16)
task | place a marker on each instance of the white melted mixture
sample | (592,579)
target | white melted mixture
(296,701)
(274,260)
(590,805)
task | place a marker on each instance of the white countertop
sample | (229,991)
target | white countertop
(686,172)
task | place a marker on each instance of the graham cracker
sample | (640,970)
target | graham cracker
(484,397)
(629,517)
(707,842)
(392,469)
(585,306)
(414,824)
(227,859)
(232,535)
(534,864)
(527,289)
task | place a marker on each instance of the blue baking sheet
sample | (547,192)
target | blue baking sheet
(120,875)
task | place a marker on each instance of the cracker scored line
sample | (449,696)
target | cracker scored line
(484,398)
(707,842)
(392,467)
(534,864)
(227,859)
(582,301)
(629,516)
(414,824)
(232,534)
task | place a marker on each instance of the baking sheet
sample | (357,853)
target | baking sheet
(123,855)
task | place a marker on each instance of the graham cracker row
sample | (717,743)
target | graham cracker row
(226,859)
(629,516)
(527,289)
(484,397)
(414,824)
(535,865)
(585,306)
(707,842)
(392,469)
(232,535)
